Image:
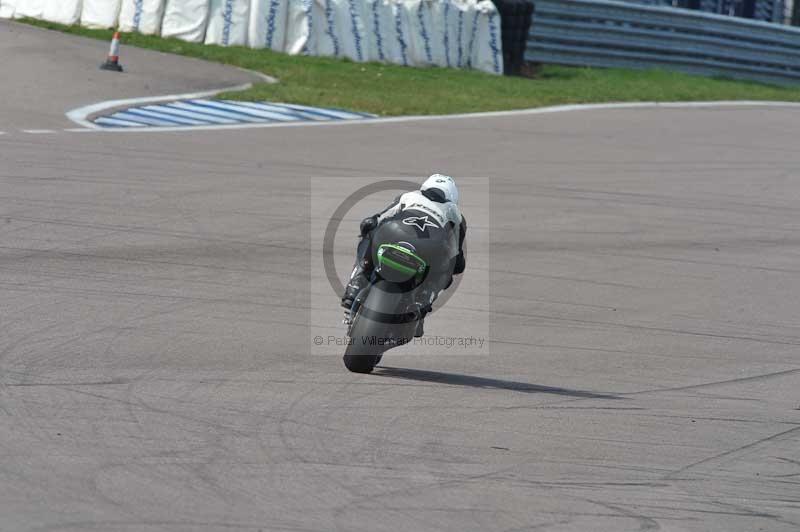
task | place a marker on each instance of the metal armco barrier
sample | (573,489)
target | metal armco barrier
(605,33)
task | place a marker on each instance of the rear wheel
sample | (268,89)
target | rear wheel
(377,328)
(361,356)
(358,361)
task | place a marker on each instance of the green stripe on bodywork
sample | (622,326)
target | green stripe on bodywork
(402,267)
(397,266)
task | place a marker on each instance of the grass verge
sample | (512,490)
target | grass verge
(390,90)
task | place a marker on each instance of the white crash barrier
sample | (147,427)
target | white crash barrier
(7,8)
(268,24)
(490,58)
(29,9)
(452,18)
(356,17)
(228,22)
(143,16)
(461,36)
(445,33)
(342,33)
(421,43)
(403,31)
(300,30)
(100,14)
(387,33)
(434,13)
(62,11)
(186,20)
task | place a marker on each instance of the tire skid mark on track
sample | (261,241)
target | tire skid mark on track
(663,200)
(28,414)
(665,330)
(520,298)
(365,454)
(645,522)
(600,350)
(691,205)
(129,260)
(4,353)
(210,449)
(783,435)
(567,278)
(757,513)
(701,262)
(288,422)
(113,382)
(153,232)
(740,380)
(370,500)
(366,501)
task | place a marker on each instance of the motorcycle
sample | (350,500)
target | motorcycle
(413,258)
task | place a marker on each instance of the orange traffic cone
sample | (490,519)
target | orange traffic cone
(112,62)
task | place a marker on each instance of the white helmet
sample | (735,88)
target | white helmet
(444,184)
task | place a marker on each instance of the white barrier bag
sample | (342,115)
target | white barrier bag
(100,14)
(7,8)
(300,28)
(422,42)
(143,16)
(30,9)
(487,51)
(328,35)
(377,20)
(185,20)
(388,32)
(460,38)
(351,21)
(63,11)
(397,44)
(268,24)
(228,22)
(443,18)
(340,32)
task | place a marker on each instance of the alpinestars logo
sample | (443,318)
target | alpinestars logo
(420,222)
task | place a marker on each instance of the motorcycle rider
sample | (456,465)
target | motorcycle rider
(438,197)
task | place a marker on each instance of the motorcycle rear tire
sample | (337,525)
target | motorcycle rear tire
(359,362)
(361,358)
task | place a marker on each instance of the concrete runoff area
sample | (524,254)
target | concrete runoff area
(642,368)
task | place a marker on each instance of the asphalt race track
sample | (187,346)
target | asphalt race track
(636,270)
